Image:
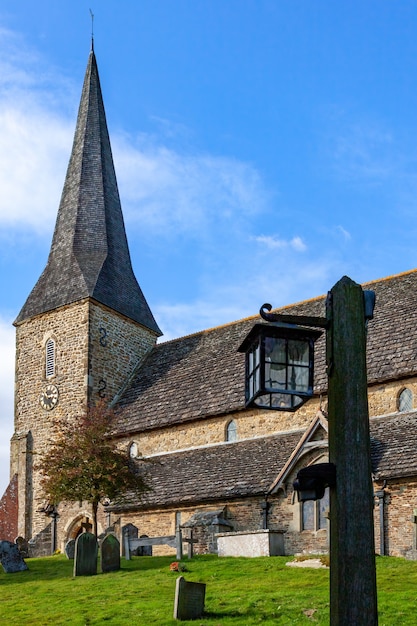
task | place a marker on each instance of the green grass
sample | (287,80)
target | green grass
(239,591)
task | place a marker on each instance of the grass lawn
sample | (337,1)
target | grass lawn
(239,591)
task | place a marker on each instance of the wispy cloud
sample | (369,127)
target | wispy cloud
(345,233)
(362,150)
(36,134)
(161,188)
(167,190)
(273,242)
(7,344)
(33,148)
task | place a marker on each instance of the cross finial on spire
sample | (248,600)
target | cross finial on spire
(92,30)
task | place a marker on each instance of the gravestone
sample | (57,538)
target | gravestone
(189,599)
(70,549)
(23,546)
(130,531)
(86,551)
(10,558)
(144,550)
(110,554)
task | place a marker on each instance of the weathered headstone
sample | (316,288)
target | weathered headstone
(189,599)
(130,531)
(86,550)
(110,554)
(10,558)
(144,550)
(23,546)
(70,549)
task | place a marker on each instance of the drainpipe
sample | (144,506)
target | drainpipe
(380,495)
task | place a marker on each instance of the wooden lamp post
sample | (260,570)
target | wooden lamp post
(279,370)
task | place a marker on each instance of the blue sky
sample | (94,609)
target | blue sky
(263,148)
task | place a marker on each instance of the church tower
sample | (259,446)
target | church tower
(86,324)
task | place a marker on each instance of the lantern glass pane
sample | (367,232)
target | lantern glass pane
(257,380)
(275,376)
(275,350)
(257,355)
(253,373)
(298,352)
(281,401)
(299,379)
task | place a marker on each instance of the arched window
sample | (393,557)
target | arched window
(133,450)
(50,350)
(405,400)
(231,431)
(314,513)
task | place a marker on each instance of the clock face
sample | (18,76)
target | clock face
(49,397)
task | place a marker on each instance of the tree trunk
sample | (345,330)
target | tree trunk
(95,508)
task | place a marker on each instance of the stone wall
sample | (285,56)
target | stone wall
(400,518)
(35,426)
(383,399)
(250,423)
(116,346)
(246,515)
(9,512)
(96,349)
(41,543)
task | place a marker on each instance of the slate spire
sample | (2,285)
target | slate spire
(89,256)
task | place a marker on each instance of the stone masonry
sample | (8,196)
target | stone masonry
(96,351)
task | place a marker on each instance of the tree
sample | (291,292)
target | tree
(83,463)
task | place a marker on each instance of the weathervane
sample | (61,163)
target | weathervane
(92,29)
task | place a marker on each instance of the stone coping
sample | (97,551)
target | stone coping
(261,531)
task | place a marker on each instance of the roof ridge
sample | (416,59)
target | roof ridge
(391,277)
(279,308)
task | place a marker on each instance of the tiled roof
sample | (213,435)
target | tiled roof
(185,379)
(225,471)
(202,375)
(394,445)
(89,254)
(248,468)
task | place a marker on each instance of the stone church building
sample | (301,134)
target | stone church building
(86,332)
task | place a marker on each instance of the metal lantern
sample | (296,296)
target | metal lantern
(279,365)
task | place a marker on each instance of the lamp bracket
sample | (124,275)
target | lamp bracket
(304,320)
(312,480)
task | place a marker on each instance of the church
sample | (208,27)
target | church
(216,465)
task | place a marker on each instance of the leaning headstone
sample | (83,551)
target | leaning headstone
(86,550)
(70,549)
(23,546)
(10,558)
(110,554)
(189,599)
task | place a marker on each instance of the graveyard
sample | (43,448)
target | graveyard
(238,591)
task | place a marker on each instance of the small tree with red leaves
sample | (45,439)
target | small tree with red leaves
(83,463)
